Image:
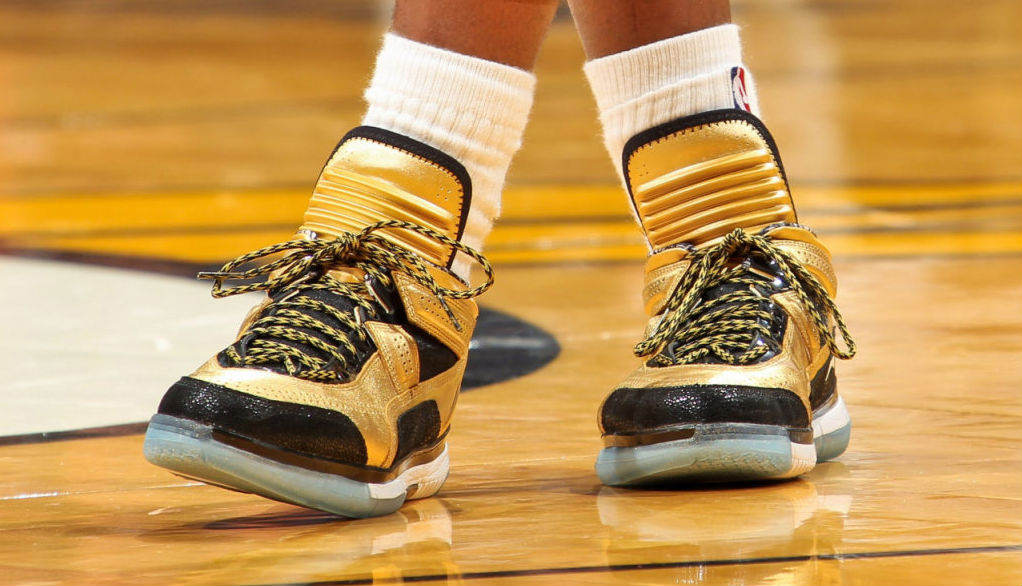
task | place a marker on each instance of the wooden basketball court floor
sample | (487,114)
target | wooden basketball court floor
(141,140)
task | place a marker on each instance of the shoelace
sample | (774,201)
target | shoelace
(727,326)
(303,267)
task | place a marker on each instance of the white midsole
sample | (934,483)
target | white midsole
(831,419)
(425,476)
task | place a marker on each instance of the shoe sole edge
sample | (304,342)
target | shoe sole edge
(728,453)
(189,449)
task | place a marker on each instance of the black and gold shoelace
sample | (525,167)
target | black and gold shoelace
(726,327)
(308,337)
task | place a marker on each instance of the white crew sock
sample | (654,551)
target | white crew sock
(647,86)
(471,109)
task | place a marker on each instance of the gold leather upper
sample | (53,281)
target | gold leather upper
(388,384)
(701,182)
(366,181)
(664,269)
(802,353)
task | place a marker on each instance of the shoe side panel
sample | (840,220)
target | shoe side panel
(298,428)
(425,310)
(364,400)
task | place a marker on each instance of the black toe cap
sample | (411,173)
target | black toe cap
(303,429)
(640,410)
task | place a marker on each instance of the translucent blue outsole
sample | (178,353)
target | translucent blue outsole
(189,449)
(728,453)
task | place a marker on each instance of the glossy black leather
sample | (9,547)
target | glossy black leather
(417,428)
(311,431)
(640,410)
(823,385)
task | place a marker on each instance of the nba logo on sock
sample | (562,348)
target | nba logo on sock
(738,92)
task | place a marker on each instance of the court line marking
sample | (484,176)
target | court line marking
(669,565)
(44,437)
(188,269)
(974,224)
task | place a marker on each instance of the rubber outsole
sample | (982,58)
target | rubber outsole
(728,453)
(189,449)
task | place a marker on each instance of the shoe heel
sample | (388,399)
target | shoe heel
(832,430)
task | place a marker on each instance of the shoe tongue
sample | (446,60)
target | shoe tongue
(376,175)
(347,275)
(332,298)
(764,272)
(757,267)
(698,178)
(342,274)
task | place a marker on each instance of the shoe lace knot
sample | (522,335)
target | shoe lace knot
(720,310)
(312,327)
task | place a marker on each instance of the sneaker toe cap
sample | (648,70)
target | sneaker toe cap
(303,429)
(638,410)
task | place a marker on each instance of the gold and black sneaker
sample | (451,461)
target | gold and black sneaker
(338,392)
(737,381)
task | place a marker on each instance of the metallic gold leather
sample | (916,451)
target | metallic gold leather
(804,246)
(802,352)
(787,370)
(398,352)
(252,316)
(702,182)
(366,181)
(663,271)
(424,310)
(372,400)
(388,383)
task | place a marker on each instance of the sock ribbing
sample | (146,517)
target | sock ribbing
(647,86)
(470,108)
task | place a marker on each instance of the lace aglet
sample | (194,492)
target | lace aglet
(218,276)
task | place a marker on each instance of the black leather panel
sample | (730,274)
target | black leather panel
(630,410)
(823,385)
(311,431)
(434,357)
(417,428)
(776,324)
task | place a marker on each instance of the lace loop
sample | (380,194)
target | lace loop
(730,326)
(294,330)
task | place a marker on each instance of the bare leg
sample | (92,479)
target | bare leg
(612,26)
(505,31)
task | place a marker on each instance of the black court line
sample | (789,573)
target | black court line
(148,264)
(975,225)
(561,571)
(74,434)
(187,269)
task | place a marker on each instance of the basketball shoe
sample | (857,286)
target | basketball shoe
(338,391)
(738,380)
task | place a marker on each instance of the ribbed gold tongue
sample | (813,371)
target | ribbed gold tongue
(698,178)
(377,175)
